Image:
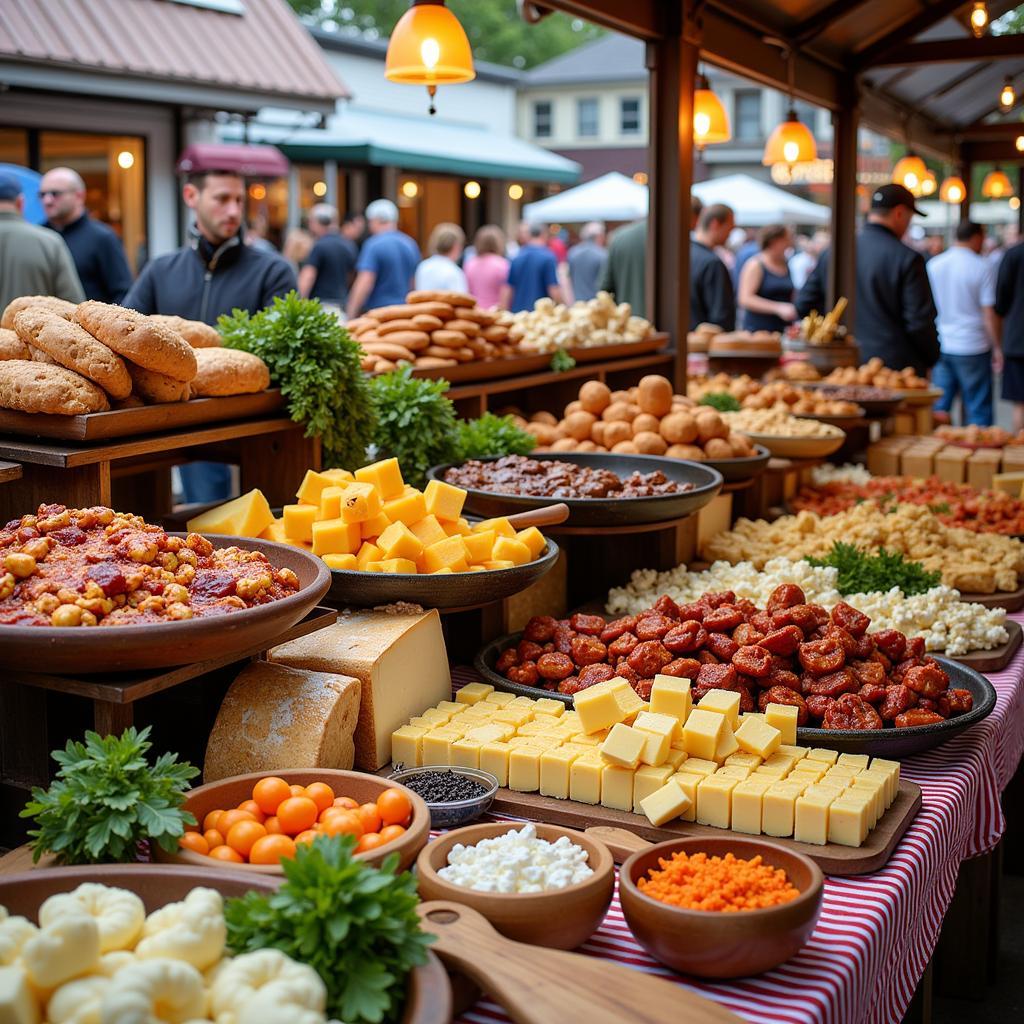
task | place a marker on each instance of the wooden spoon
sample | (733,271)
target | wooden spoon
(620,841)
(548,986)
(549,515)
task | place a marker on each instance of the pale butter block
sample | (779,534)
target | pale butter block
(647,780)
(688,784)
(400,661)
(702,732)
(665,803)
(671,696)
(494,759)
(784,718)
(714,800)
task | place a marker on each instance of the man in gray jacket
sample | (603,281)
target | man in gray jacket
(33,261)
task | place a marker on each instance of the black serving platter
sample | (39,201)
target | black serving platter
(604,512)
(487,658)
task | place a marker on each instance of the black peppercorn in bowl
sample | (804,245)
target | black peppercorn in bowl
(445,789)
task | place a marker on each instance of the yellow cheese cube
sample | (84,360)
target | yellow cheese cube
(473,693)
(554,772)
(479,545)
(783,717)
(623,746)
(366,554)
(466,753)
(823,754)
(568,717)
(524,769)
(841,771)
(782,762)
(512,550)
(533,539)
(275,531)
(336,537)
(407,508)
(735,771)
(848,820)
(779,808)
(534,742)
(675,758)
(747,800)
(727,745)
(701,732)
(333,561)
(876,789)
(524,702)
(494,758)
(449,553)
(585,779)
(453,707)
(398,541)
(385,475)
(372,528)
(247,516)
(664,725)
(312,484)
(810,820)
(699,766)
(330,502)
(549,706)
(407,746)
(724,702)
(714,800)
(688,784)
(647,780)
(758,738)
(878,775)
(617,786)
(797,753)
(359,503)
(500,526)
(656,749)
(440,572)
(665,803)
(395,565)
(337,476)
(803,778)
(671,696)
(628,699)
(743,758)
(436,716)
(299,520)
(513,715)
(500,563)
(444,501)
(437,746)
(428,530)
(500,697)
(597,708)
(856,761)
(891,769)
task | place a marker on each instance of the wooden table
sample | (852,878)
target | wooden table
(9,471)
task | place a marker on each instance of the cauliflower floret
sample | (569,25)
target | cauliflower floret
(157,991)
(63,950)
(120,914)
(267,985)
(192,930)
(78,1002)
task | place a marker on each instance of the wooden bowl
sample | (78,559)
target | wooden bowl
(230,792)
(428,994)
(558,918)
(785,446)
(719,945)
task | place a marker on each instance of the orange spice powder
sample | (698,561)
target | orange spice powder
(724,884)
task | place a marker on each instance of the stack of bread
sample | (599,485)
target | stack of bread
(63,359)
(431,330)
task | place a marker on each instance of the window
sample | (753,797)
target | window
(808,114)
(629,115)
(748,113)
(542,119)
(586,117)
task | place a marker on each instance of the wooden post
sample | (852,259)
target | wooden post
(967,170)
(842,267)
(672,62)
(1020,196)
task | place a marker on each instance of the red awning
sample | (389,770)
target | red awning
(250,161)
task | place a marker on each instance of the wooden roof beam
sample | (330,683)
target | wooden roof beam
(898,37)
(812,27)
(645,19)
(992,152)
(955,51)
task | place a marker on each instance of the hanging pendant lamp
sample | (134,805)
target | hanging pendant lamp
(910,171)
(429,47)
(792,141)
(996,185)
(710,121)
(953,190)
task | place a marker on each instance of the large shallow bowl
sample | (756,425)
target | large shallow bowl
(872,406)
(743,468)
(559,918)
(786,447)
(83,651)
(900,743)
(599,512)
(719,945)
(428,994)
(227,793)
(487,658)
(449,590)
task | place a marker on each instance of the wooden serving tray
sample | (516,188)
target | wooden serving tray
(1012,601)
(486,369)
(620,350)
(146,419)
(999,657)
(832,858)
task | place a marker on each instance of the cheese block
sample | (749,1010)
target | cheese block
(400,660)
(274,717)
(247,516)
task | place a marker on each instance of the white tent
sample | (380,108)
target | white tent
(757,203)
(612,197)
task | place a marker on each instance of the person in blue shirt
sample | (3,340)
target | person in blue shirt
(533,273)
(332,261)
(387,262)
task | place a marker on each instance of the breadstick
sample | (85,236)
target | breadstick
(389,350)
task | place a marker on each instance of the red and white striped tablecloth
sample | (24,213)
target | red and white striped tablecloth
(876,932)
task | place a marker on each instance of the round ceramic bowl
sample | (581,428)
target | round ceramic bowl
(428,997)
(455,813)
(230,792)
(743,468)
(719,945)
(789,447)
(558,918)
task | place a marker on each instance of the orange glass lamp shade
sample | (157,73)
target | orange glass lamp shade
(910,171)
(953,190)
(790,143)
(929,184)
(996,185)
(710,121)
(429,47)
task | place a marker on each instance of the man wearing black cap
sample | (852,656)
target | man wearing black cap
(894,313)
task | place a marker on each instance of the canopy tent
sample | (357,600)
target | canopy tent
(757,203)
(613,196)
(946,215)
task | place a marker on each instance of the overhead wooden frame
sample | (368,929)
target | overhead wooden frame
(955,51)
(900,36)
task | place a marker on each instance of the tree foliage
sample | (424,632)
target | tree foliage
(496,31)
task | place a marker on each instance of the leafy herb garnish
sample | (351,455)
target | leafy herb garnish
(561,361)
(863,573)
(493,435)
(722,401)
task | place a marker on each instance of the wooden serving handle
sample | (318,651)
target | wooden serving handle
(620,841)
(549,515)
(548,986)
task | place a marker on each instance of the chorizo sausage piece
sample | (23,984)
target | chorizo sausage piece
(746,698)
(717,598)
(864,646)
(648,659)
(717,677)
(820,615)
(851,713)
(799,615)
(572,685)
(707,658)
(960,701)
(623,646)
(643,688)
(687,636)
(588,650)
(818,706)
(682,668)
(526,674)
(831,685)
(746,635)
(781,677)
(786,595)
(506,660)
(555,667)
(722,646)
(762,622)
(653,626)
(666,606)
(528,651)
(819,657)
(873,693)
(891,642)
(589,625)
(782,695)
(840,635)
(915,647)
(563,641)
(626,671)
(915,717)
(784,641)
(926,680)
(868,673)
(943,709)
(927,704)
(723,619)
(615,629)
(694,612)
(753,661)
(540,629)
(897,700)
(591,674)
(847,617)
(746,608)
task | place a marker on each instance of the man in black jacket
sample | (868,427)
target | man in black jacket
(1010,306)
(216,272)
(894,314)
(712,300)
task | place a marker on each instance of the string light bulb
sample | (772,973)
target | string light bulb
(1008,95)
(979,19)
(471,189)
(125,159)
(515,192)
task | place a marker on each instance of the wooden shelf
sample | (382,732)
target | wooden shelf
(9,471)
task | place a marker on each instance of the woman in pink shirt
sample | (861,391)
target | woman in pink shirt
(487,271)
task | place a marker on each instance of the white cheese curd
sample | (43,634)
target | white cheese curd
(517,862)
(945,622)
(847,473)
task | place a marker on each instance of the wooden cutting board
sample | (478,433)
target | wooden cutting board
(1012,601)
(999,657)
(832,858)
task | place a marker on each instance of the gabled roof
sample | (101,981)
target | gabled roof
(611,58)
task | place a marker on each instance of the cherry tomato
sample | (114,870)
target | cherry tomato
(243,835)
(254,809)
(195,842)
(394,806)
(272,849)
(270,792)
(296,814)
(321,794)
(226,853)
(369,841)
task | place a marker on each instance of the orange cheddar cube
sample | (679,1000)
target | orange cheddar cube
(429,530)
(340,561)
(498,563)
(335,537)
(511,549)
(360,502)
(396,565)
(479,546)
(312,485)
(298,521)
(444,501)
(374,527)
(443,572)
(501,526)
(330,502)
(398,541)
(533,539)
(338,476)
(450,553)
(385,475)
(408,508)
(368,553)
(275,532)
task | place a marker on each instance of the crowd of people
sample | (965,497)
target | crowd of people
(957,313)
